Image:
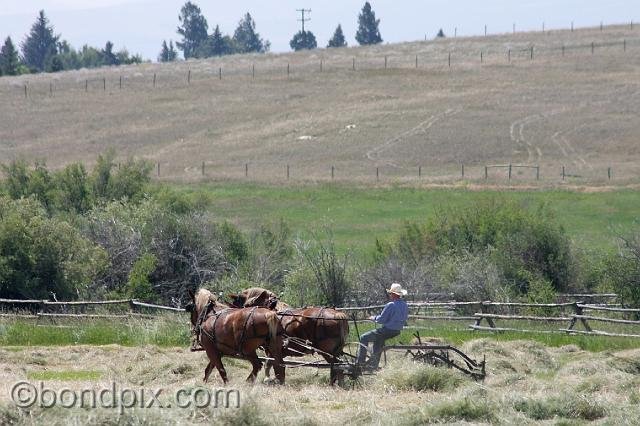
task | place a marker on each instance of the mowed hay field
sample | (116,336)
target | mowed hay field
(526,383)
(565,107)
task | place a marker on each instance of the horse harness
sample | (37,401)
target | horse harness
(208,311)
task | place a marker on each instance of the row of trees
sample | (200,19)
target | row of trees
(44,51)
(196,42)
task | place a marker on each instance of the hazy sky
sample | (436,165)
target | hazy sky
(141,25)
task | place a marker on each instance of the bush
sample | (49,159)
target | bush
(328,267)
(523,245)
(40,256)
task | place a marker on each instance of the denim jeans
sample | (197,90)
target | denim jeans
(377,336)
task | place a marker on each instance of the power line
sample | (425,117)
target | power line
(303,19)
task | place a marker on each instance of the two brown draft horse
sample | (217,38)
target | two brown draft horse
(236,333)
(306,329)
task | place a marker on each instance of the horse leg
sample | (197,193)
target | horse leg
(257,365)
(215,359)
(207,372)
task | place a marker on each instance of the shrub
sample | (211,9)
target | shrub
(41,256)
(328,267)
(139,286)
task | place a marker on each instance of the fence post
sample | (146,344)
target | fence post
(509,55)
(449,59)
(104,84)
(543,27)
(158,169)
(154,79)
(385,62)
(563,174)
(86,85)
(332,172)
(486,172)
(416,61)
(593,47)
(246,169)
(377,174)
(287,172)
(288,70)
(509,171)
(538,172)
(600,25)
(463,170)
(609,173)
(455,32)
(571,26)
(120,82)
(25,91)
(481,59)
(320,65)
(354,64)
(189,76)
(51,88)
(419,171)
(485,30)
(203,168)
(514,27)
(532,53)
(220,73)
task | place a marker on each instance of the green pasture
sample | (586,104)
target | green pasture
(357,216)
(174,331)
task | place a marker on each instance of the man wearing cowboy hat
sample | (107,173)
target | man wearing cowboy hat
(393,318)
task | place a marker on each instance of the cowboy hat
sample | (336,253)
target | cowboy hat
(397,289)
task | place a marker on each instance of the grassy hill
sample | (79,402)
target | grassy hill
(565,107)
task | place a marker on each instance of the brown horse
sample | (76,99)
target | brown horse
(235,332)
(325,329)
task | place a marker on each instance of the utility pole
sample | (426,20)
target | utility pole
(303,19)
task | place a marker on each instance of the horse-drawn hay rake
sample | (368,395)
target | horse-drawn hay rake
(438,355)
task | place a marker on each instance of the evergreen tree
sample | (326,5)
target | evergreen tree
(216,45)
(193,29)
(440,34)
(9,61)
(108,57)
(164,53)
(303,40)
(173,54)
(368,32)
(246,39)
(338,38)
(40,44)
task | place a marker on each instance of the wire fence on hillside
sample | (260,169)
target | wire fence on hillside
(437,55)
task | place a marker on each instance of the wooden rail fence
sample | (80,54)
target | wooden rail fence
(578,317)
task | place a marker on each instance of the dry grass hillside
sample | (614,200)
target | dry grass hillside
(573,106)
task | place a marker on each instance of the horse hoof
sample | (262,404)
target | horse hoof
(270,381)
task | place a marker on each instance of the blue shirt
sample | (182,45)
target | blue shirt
(394,315)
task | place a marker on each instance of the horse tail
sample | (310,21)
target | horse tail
(343,321)
(272,324)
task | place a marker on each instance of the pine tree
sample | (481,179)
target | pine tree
(368,32)
(303,40)
(338,38)
(40,44)
(173,54)
(164,52)
(216,45)
(9,61)
(108,57)
(440,34)
(246,39)
(193,30)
